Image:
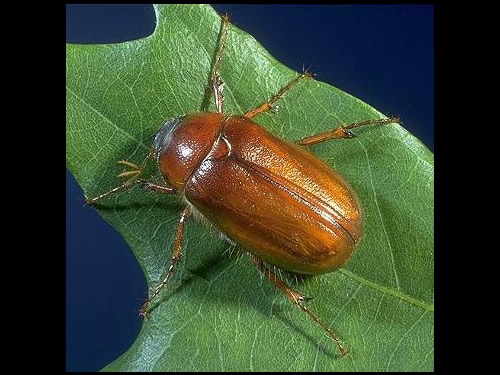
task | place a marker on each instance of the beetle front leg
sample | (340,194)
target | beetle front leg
(343,131)
(130,184)
(179,236)
(295,297)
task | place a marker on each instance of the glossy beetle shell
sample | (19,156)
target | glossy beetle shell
(271,196)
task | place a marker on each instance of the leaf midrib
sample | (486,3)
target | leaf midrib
(389,291)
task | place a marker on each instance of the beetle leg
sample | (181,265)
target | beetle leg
(129,184)
(268,105)
(156,188)
(295,297)
(343,131)
(216,84)
(179,236)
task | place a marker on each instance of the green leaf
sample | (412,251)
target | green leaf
(218,313)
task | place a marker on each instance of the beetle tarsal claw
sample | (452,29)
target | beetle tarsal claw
(88,201)
(347,133)
(308,74)
(219,83)
(274,108)
(302,298)
(146,186)
(143,311)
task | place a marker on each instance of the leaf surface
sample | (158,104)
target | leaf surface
(219,314)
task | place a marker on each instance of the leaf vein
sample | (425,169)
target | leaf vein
(109,121)
(391,292)
(402,338)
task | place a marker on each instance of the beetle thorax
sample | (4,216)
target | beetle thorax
(183,143)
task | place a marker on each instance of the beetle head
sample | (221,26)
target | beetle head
(165,135)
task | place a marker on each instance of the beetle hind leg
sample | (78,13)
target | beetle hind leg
(296,298)
(343,131)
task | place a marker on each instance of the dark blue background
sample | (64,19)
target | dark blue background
(383,55)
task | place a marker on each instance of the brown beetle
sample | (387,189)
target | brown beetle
(283,205)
